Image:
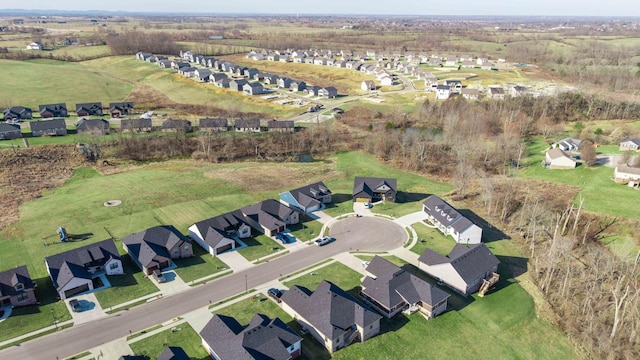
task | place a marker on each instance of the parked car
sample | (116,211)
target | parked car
(275,294)
(323,240)
(368,205)
(281,237)
(75,305)
(365,264)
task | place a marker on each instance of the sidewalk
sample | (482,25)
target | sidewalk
(351,261)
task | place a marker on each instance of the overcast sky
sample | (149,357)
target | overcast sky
(378,7)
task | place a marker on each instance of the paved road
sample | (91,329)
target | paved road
(365,233)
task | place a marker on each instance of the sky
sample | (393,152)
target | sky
(365,7)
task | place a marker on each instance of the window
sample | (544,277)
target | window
(23,297)
(176,251)
(114,266)
(186,248)
(19,287)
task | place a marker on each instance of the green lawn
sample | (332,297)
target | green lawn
(339,274)
(200,265)
(306,229)
(132,285)
(432,239)
(259,246)
(186,338)
(394,259)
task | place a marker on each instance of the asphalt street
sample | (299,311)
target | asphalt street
(362,233)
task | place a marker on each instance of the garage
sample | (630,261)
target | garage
(224,248)
(76,290)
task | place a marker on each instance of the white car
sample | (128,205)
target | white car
(368,205)
(323,240)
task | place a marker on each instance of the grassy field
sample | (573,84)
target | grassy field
(186,338)
(66,82)
(81,52)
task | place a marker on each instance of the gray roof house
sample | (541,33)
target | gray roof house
(328,92)
(53,110)
(463,270)
(450,221)
(173,353)
(93,126)
(175,125)
(298,86)
(263,338)
(308,198)
(89,109)
(281,126)
(152,249)
(17,288)
(213,125)
(216,234)
(247,125)
(120,109)
(72,271)
(630,145)
(10,131)
(332,316)
(17,113)
(568,144)
(237,84)
(136,125)
(55,127)
(253,88)
(390,290)
(270,216)
(369,189)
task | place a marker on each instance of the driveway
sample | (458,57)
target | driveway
(412,218)
(361,208)
(91,309)
(321,217)
(173,283)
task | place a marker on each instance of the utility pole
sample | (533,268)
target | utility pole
(54,319)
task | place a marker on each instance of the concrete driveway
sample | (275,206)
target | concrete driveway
(91,309)
(412,218)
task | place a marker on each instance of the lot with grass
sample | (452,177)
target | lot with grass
(259,246)
(432,239)
(343,276)
(200,265)
(186,338)
(130,286)
(306,229)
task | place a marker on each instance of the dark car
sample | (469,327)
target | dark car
(275,294)
(75,305)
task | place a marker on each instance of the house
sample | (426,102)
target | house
(203,74)
(55,127)
(53,110)
(468,64)
(369,189)
(120,109)
(630,145)
(281,126)
(627,175)
(258,76)
(152,249)
(328,92)
(263,338)
(213,125)
(284,83)
(217,76)
(34,46)
(568,144)
(270,79)
(175,125)
(173,353)
(164,64)
(450,61)
(297,86)
(222,82)
(517,91)
(136,125)
(10,131)
(93,126)
(143,55)
(450,221)
(319,61)
(312,90)
(308,198)
(386,80)
(73,271)
(237,84)
(253,88)
(187,71)
(239,71)
(559,159)
(217,234)
(247,125)
(332,316)
(89,109)
(177,65)
(17,113)
(17,288)
(250,73)
(430,80)
(456,85)
(443,92)
(270,216)
(390,290)
(496,93)
(273,57)
(470,94)
(464,270)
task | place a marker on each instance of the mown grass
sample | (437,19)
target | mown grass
(186,338)
(200,265)
(429,238)
(306,229)
(343,276)
(259,246)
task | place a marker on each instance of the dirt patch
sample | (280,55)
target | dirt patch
(27,172)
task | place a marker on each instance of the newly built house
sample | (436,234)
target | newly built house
(559,159)
(369,189)
(152,249)
(450,221)
(17,288)
(308,198)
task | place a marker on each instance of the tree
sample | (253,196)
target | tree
(588,153)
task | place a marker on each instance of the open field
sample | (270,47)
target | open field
(186,338)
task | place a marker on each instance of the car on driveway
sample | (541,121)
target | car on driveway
(323,240)
(75,305)
(275,294)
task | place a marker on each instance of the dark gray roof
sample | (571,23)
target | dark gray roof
(121,106)
(69,264)
(4,127)
(213,123)
(635,141)
(86,124)
(268,213)
(262,338)
(469,262)
(246,123)
(309,195)
(329,309)
(173,353)
(153,244)
(176,124)
(135,123)
(10,278)
(391,285)
(446,214)
(370,184)
(94,108)
(48,124)
(216,229)
(283,124)
(54,108)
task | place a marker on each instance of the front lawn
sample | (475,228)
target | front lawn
(432,239)
(185,337)
(393,259)
(306,229)
(343,276)
(259,246)
(200,265)
(132,285)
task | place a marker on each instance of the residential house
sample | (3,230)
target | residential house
(443,92)
(164,64)
(470,94)
(386,80)
(237,84)
(270,79)
(308,198)
(332,316)
(456,85)
(250,73)
(173,353)
(329,92)
(468,64)
(217,234)
(390,290)
(340,63)
(284,83)
(482,61)
(273,57)
(187,71)
(298,59)
(120,109)
(517,91)
(487,66)
(464,270)
(247,125)
(175,125)
(53,110)
(213,125)
(203,74)
(143,55)
(136,125)
(240,70)
(370,189)
(55,127)
(559,159)
(496,93)
(217,76)
(319,61)
(222,83)
(17,113)
(263,338)
(258,76)
(270,216)
(34,46)
(298,86)
(281,126)
(309,60)
(630,145)
(17,288)
(152,249)
(430,81)
(312,90)
(89,109)
(451,61)
(253,88)
(10,131)
(285,59)
(93,126)
(73,271)
(177,65)
(450,221)
(627,175)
